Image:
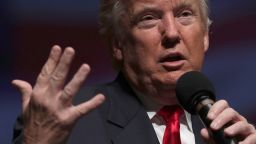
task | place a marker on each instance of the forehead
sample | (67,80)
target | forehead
(137,5)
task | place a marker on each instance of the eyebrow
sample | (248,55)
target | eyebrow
(154,8)
(183,5)
(147,8)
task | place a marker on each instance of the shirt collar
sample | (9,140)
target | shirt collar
(152,108)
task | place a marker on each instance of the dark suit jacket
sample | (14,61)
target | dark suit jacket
(121,119)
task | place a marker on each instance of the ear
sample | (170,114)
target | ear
(206,41)
(117,51)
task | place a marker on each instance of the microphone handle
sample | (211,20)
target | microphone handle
(217,135)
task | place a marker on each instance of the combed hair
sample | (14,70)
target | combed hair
(110,12)
(206,12)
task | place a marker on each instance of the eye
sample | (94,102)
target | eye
(186,17)
(186,13)
(147,21)
(147,18)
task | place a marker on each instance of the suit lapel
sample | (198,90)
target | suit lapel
(138,131)
(197,126)
(128,122)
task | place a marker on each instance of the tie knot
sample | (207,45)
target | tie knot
(170,113)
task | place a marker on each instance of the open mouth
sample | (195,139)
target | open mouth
(173,61)
(172,58)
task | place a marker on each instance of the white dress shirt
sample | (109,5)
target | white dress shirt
(186,130)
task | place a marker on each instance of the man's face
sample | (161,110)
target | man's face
(163,39)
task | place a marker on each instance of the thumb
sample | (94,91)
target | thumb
(25,89)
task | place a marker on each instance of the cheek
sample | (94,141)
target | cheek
(194,42)
(147,38)
(139,57)
(146,43)
(142,52)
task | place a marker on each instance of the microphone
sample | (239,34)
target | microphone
(196,95)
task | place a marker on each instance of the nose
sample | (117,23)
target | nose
(170,33)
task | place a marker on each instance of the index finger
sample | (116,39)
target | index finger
(217,108)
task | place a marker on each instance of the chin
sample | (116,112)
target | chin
(172,77)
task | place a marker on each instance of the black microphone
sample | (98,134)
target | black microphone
(196,95)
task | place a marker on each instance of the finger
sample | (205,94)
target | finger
(88,106)
(25,90)
(217,108)
(241,129)
(74,85)
(59,75)
(251,139)
(206,136)
(226,116)
(49,66)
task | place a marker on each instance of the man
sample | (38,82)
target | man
(153,43)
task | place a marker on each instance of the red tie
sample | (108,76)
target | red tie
(171,115)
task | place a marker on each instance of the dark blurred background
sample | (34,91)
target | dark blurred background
(29,28)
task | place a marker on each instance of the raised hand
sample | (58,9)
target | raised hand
(47,109)
(221,114)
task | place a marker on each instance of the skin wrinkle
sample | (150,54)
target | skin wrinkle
(141,52)
(111,24)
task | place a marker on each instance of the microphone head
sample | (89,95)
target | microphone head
(191,88)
